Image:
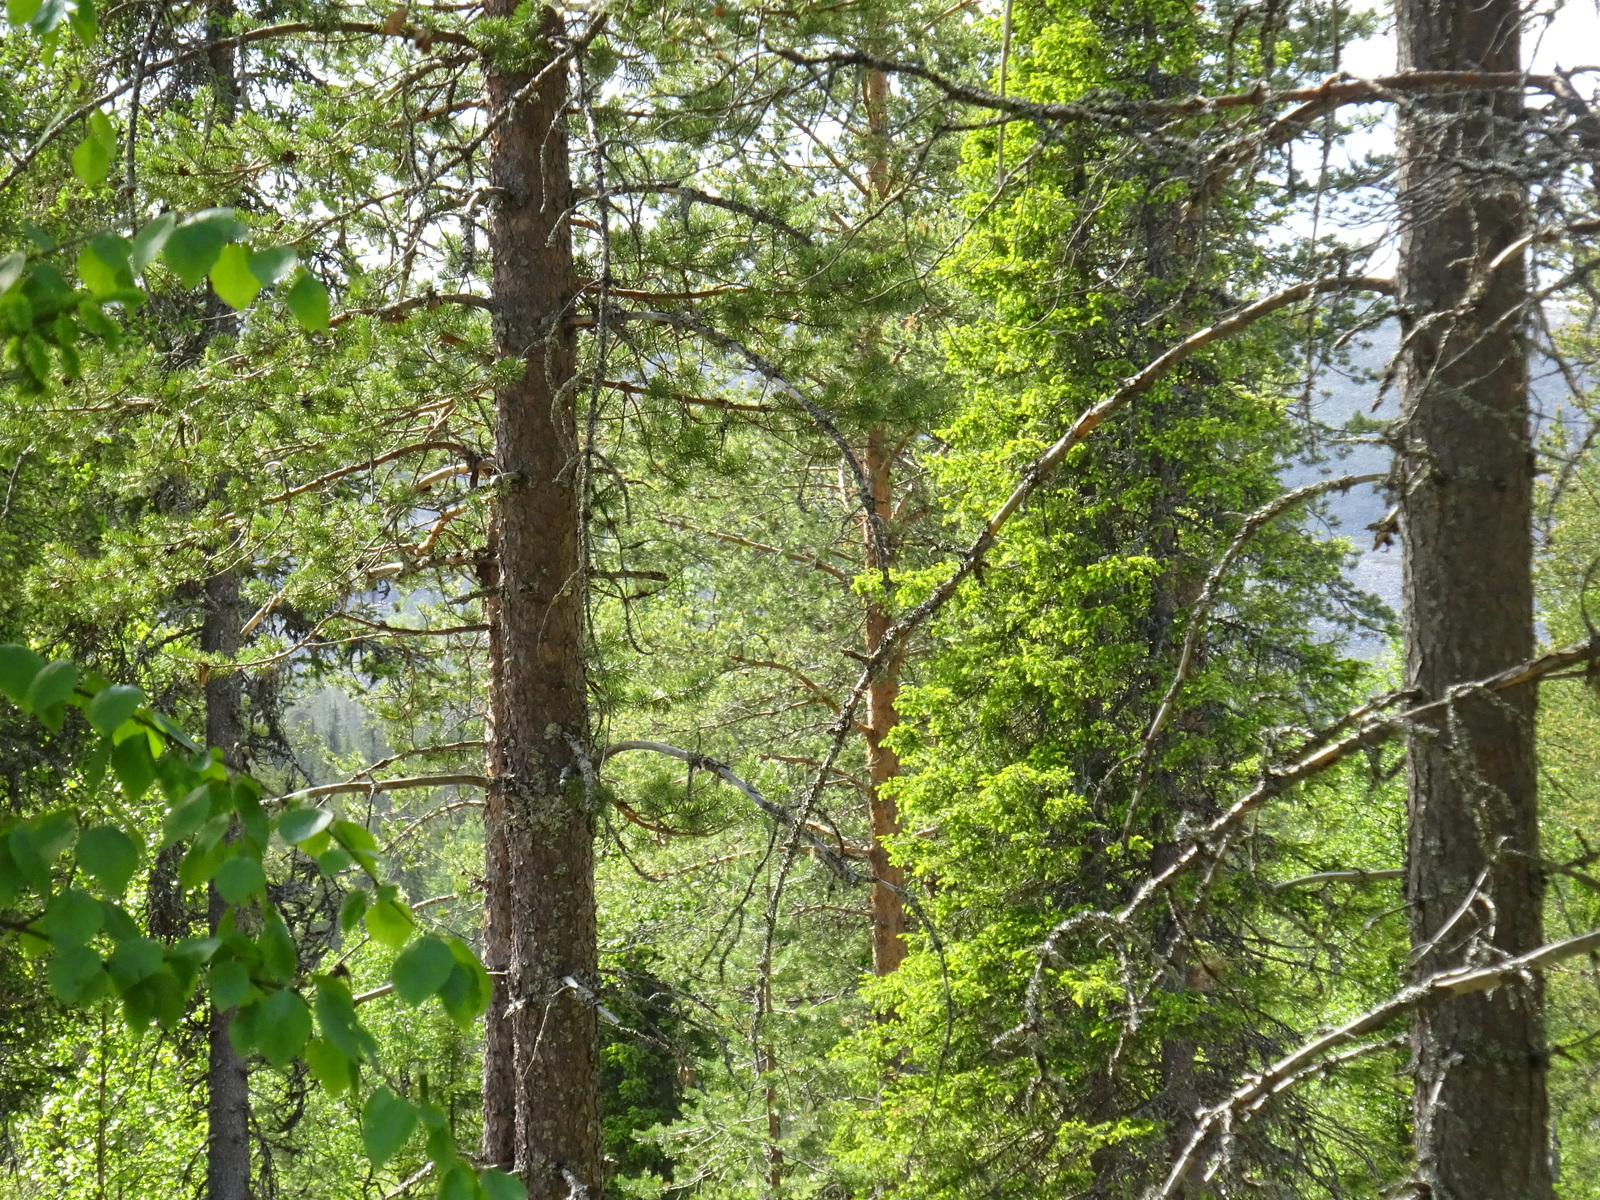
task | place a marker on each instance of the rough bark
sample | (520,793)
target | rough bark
(1473,881)
(541,1069)
(227,1076)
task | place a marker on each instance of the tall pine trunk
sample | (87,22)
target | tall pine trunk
(1473,878)
(541,1085)
(227,1076)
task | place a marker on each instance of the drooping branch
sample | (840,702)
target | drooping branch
(759,215)
(1352,875)
(776,812)
(1313,101)
(734,539)
(366,465)
(1256,522)
(429,301)
(772,375)
(1256,1090)
(1213,840)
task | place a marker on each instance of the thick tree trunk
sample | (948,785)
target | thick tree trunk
(227,1077)
(541,1064)
(1473,876)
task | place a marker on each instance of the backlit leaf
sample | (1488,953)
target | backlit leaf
(150,241)
(240,878)
(390,923)
(110,857)
(91,161)
(308,301)
(284,1025)
(386,1122)
(18,666)
(421,968)
(298,824)
(112,706)
(231,276)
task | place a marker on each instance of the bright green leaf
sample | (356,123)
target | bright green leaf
(85,26)
(111,707)
(240,878)
(11,266)
(459,1183)
(336,1017)
(308,301)
(328,1066)
(467,992)
(389,922)
(192,248)
(150,241)
(353,908)
(354,837)
(99,123)
(18,667)
(271,264)
(421,968)
(232,278)
(109,856)
(283,1027)
(386,1122)
(497,1185)
(52,685)
(298,824)
(20,12)
(91,161)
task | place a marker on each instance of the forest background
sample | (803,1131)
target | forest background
(784,595)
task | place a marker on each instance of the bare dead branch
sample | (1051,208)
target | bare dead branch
(1256,1090)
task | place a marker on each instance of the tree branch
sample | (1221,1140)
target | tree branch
(1256,1090)
(387,785)
(705,763)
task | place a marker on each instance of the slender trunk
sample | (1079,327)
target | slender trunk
(1473,878)
(888,912)
(227,1077)
(883,764)
(541,1058)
